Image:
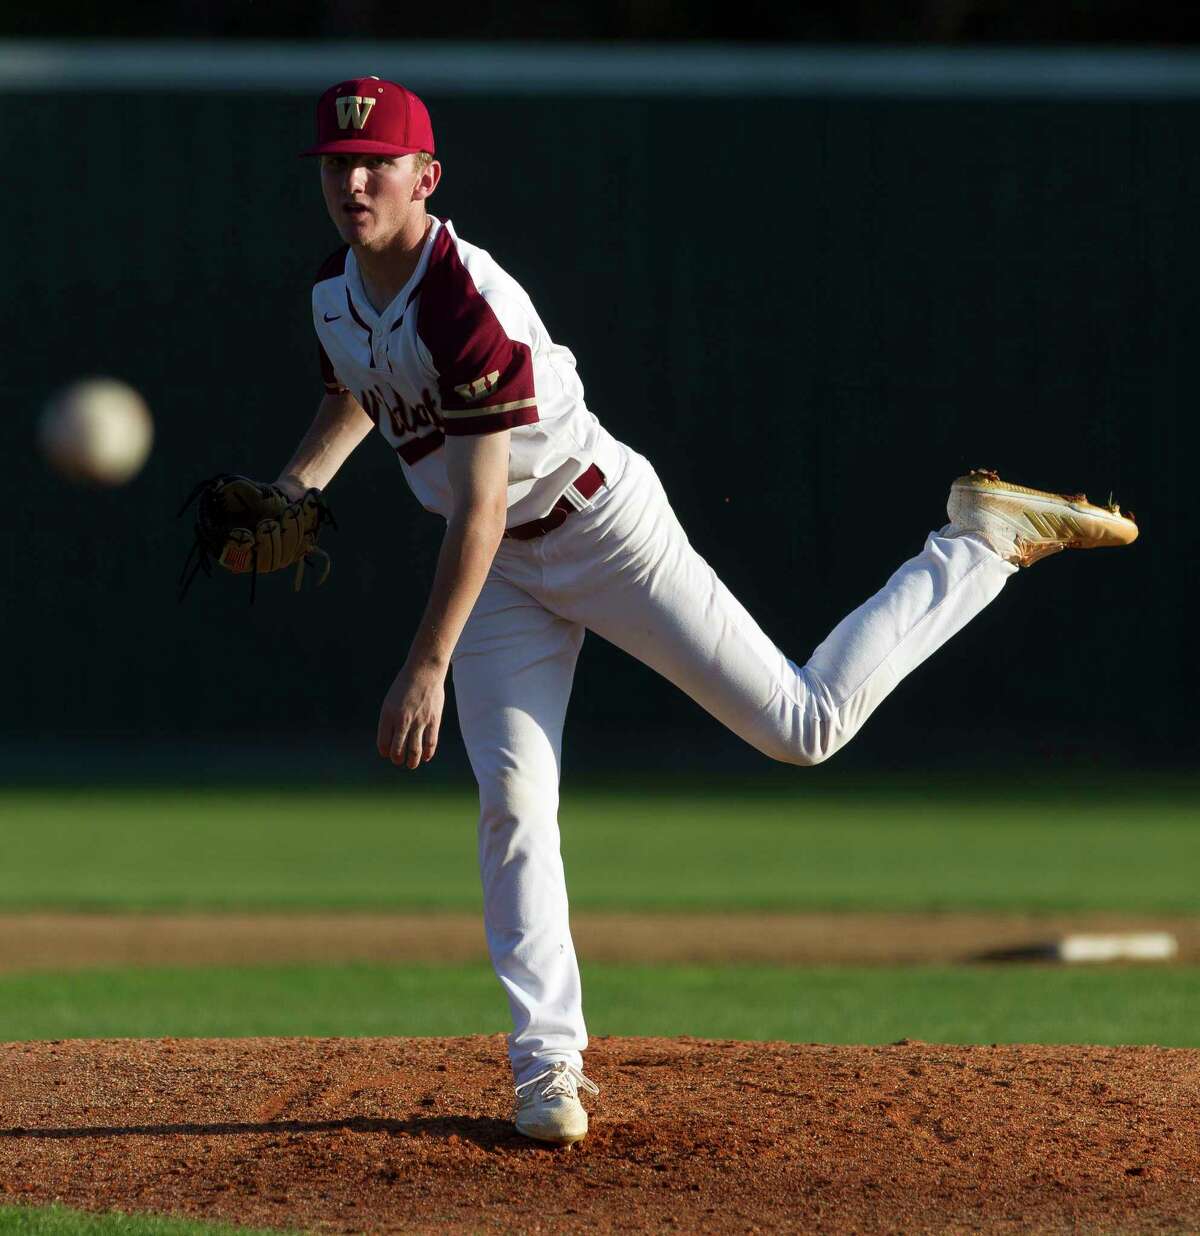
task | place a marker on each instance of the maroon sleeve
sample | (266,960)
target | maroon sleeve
(485,378)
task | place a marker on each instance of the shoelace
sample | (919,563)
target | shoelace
(564,1079)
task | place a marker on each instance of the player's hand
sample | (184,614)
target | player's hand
(411,716)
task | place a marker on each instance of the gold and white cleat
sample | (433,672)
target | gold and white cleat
(548,1106)
(1024,525)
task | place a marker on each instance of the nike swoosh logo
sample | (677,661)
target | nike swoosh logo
(332,317)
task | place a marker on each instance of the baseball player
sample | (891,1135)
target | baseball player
(553,528)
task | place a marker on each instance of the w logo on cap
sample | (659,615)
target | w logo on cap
(365,115)
(353,109)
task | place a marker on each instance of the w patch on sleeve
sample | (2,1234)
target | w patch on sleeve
(471,391)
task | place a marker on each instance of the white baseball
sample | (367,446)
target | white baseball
(97,430)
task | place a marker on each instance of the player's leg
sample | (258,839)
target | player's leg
(626,570)
(512,673)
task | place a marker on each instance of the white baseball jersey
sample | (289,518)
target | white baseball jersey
(460,350)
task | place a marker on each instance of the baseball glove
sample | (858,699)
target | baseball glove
(252,528)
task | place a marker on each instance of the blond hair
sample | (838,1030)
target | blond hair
(421,160)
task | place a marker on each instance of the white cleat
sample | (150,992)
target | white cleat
(548,1106)
(1023,525)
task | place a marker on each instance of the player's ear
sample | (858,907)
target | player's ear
(427,180)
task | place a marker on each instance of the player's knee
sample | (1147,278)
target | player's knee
(802,727)
(804,756)
(814,757)
(804,744)
(797,750)
(511,798)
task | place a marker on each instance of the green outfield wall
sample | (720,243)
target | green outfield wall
(810,310)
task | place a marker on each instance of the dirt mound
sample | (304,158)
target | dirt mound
(412,1135)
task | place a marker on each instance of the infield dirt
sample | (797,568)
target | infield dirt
(413,1135)
(42,940)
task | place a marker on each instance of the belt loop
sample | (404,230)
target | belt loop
(571,499)
(575,498)
(594,479)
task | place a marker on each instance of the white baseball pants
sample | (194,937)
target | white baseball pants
(624,569)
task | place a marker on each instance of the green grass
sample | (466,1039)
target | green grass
(59,1221)
(1039,1004)
(1101,848)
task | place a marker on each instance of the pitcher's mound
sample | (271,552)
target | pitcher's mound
(413,1135)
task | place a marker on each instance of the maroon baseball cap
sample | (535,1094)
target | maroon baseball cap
(367,115)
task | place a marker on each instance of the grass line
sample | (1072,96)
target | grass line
(112,849)
(965,1004)
(61,1221)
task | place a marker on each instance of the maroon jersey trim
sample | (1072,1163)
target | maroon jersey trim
(416,450)
(479,367)
(358,318)
(493,423)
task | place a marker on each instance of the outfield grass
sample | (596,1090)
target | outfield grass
(1035,1004)
(1104,848)
(59,1221)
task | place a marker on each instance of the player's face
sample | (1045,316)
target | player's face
(374,200)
